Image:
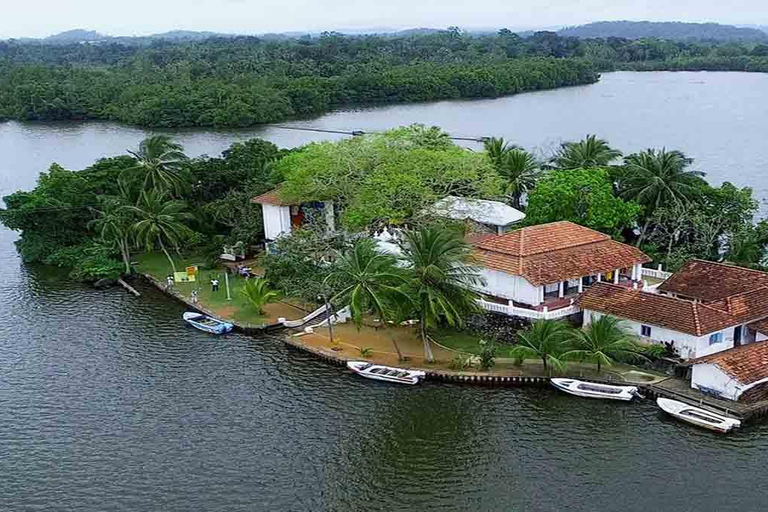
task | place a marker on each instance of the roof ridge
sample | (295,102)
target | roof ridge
(520,251)
(696,320)
(728,265)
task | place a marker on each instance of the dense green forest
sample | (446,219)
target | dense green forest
(674,30)
(244,81)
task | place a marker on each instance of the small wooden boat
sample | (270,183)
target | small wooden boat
(592,390)
(385,373)
(697,416)
(207,323)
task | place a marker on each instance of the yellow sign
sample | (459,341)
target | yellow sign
(183,277)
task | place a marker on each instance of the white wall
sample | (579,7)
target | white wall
(710,376)
(277,220)
(688,346)
(511,287)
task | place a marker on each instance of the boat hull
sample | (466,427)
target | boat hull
(386,373)
(592,390)
(698,417)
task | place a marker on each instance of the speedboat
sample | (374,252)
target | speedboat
(697,416)
(207,323)
(593,390)
(385,373)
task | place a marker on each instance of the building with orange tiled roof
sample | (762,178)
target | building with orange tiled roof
(739,374)
(280,215)
(703,309)
(539,271)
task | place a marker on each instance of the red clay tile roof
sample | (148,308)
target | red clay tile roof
(695,318)
(747,364)
(554,252)
(272,197)
(708,281)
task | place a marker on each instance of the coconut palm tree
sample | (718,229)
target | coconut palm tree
(521,171)
(373,283)
(441,278)
(658,178)
(158,164)
(585,154)
(258,294)
(114,226)
(160,221)
(546,340)
(497,149)
(603,341)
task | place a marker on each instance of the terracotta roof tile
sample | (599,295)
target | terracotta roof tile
(554,252)
(272,197)
(680,315)
(760,326)
(747,364)
(709,282)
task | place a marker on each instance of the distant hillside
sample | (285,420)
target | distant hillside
(665,30)
(75,36)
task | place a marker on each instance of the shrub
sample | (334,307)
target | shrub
(460,362)
(487,355)
(366,352)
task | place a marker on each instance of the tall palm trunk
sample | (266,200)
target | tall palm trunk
(162,246)
(397,348)
(427,348)
(126,254)
(643,232)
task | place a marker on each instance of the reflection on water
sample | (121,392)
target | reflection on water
(108,402)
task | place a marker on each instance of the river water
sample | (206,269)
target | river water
(108,402)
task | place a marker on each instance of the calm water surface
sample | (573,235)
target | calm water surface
(108,402)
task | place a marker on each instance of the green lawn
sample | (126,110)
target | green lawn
(237,309)
(465,342)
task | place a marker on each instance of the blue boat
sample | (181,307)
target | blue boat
(207,323)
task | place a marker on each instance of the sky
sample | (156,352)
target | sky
(38,18)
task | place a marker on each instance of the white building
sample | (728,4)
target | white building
(739,374)
(540,271)
(490,216)
(703,309)
(280,215)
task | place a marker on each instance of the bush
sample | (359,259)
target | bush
(366,352)
(487,355)
(460,363)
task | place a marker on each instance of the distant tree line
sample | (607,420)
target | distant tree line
(243,81)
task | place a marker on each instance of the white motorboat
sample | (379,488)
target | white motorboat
(697,416)
(385,373)
(207,323)
(593,390)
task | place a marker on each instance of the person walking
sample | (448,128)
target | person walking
(169,282)
(214,284)
(194,296)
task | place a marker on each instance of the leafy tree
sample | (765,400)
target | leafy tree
(585,154)
(373,284)
(654,178)
(441,278)
(546,340)
(583,196)
(603,341)
(159,164)
(258,294)
(160,221)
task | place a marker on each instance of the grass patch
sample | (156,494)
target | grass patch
(464,341)
(237,309)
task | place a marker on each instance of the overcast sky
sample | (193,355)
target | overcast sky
(35,18)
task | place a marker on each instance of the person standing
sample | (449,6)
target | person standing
(214,284)
(194,296)
(169,282)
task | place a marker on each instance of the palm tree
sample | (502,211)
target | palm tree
(588,153)
(159,163)
(114,225)
(373,283)
(545,339)
(160,221)
(658,178)
(603,341)
(497,149)
(441,278)
(258,294)
(522,171)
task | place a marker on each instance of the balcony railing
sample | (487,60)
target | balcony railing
(656,273)
(533,314)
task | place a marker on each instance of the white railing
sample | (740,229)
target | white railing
(529,313)
(656,273)
(301,321)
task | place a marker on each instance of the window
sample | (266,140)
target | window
(716,338)
(645,331)
(737,334)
